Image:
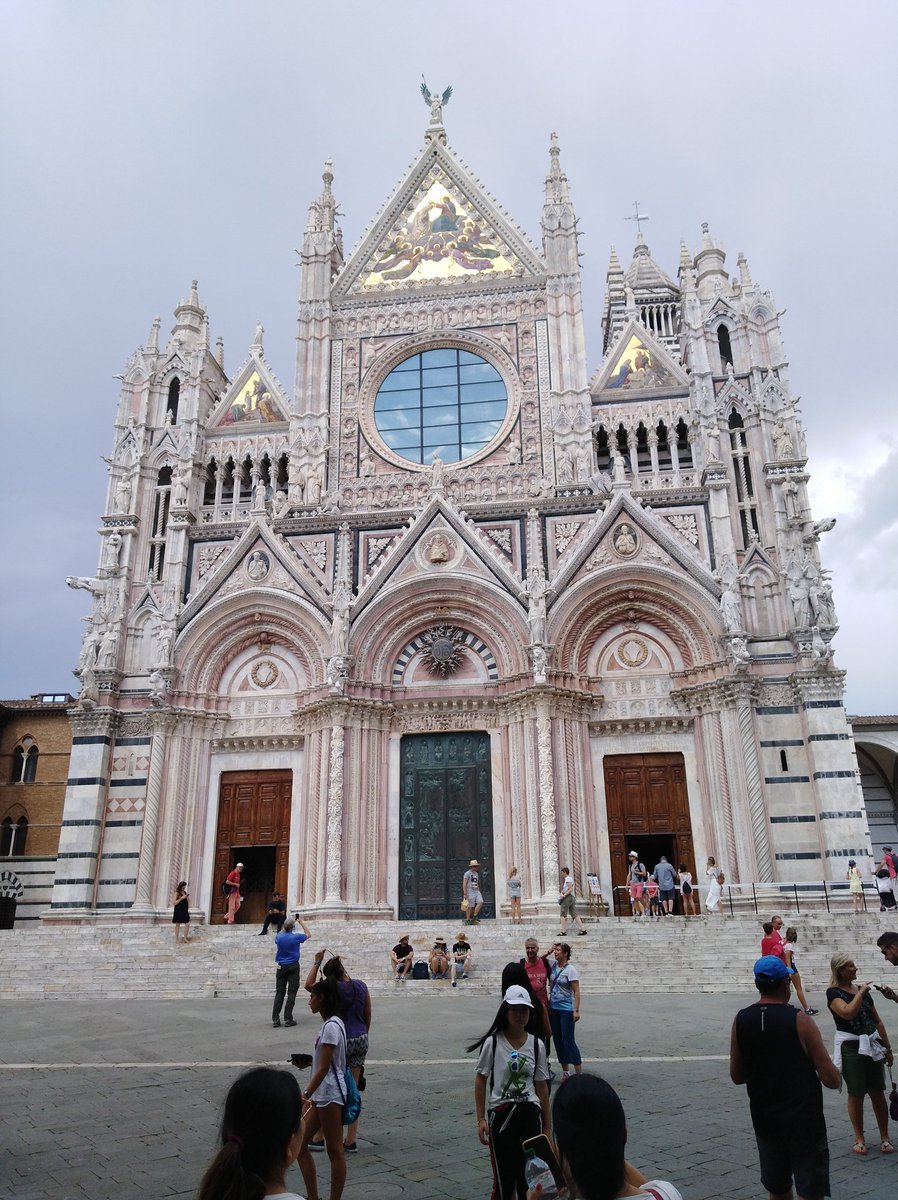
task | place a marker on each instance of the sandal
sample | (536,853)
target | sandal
(886,1147)
(859,1147)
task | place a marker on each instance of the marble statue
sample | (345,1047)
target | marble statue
(108,652)
(123,495)
(536,594)
(341,605)
(165,639)
(783,446)
(313,486)
(731,607)
(111,549)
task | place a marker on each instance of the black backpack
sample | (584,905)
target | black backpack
(420,970)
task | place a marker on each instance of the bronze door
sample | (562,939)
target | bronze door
(648,811)
(446,819)
(253,828)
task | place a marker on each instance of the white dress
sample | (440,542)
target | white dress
(713,896)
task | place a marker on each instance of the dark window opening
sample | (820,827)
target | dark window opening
(210,481)
(725,346)
(174,395)
(784,761)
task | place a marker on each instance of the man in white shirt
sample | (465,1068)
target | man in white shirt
(470,892)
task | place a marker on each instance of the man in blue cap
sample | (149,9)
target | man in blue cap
(777,1050)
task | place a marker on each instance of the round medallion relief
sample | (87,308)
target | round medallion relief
(633,652)
(265,674)
(624,540)
(441,649)
(258,565)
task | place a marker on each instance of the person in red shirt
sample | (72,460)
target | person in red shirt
(538,973)
(234,897)
(772,941)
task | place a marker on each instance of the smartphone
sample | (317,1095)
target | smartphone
(546,1152)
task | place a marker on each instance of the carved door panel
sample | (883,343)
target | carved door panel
(253,816)
(445,818)
(647,809)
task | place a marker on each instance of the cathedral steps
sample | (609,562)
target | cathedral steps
(675,954)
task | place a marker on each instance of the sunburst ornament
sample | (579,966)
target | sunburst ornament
(441,649)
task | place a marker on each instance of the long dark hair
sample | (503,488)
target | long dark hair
(262,1112)
(590,1132)
(514,973)
(330,996)
(334,969)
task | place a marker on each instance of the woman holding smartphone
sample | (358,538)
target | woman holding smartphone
(511,1091)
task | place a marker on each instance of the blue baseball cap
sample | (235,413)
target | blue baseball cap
(770,968)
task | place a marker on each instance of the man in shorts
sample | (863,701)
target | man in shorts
(402,959)
(636,877)
(462,958)
(566,904)
(778,1051)
(667,885)
(471,894)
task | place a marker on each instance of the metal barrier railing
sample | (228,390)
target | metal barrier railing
(782,897)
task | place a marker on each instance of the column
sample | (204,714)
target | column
(143,892)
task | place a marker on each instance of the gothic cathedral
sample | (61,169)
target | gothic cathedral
(453,597)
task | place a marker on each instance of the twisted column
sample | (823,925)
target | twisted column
(547,816)
(146,869)
(335,816)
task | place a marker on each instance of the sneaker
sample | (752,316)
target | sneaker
(288,1024)
(262,933)
(565,1076)
(276,1023)
(350,1148)
(316,1145)
(454,984)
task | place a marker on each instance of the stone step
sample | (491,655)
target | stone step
(680,954)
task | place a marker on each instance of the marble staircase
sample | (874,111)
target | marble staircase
(674,954)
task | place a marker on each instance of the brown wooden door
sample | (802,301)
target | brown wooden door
(253,828)
(648,809)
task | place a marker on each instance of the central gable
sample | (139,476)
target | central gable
(439,227)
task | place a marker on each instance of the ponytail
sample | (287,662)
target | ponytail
(262,1112)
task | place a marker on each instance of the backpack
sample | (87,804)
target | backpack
(226,888)
(352,1101)
(420,970)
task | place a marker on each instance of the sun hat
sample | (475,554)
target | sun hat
(770,968)
(517,996)
(460,937)
(440,939)
(633,854)
(473,863)
(403,937)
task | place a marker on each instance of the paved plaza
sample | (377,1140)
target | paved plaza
(122,1099)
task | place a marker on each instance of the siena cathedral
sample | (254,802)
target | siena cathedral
(458,594)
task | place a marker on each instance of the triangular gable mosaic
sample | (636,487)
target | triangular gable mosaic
(252,402)
(439,236)
(637,363)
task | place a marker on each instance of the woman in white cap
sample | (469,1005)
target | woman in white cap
(636,877)
(511,1091)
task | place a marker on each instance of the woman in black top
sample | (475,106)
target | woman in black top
(855,1014)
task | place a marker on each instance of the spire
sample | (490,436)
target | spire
(644,275)
(323,211)
(153,339)
(744,275)
(686,272)
(189,318)
(709,264)
(219,351)
(614,267)
(557,191)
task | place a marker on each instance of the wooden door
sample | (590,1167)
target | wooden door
(253,813)
(446,819)
(645,796)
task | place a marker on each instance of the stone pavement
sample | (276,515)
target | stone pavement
(103,1100)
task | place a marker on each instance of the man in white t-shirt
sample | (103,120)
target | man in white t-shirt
(471,895)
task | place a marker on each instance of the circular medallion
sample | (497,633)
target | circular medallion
(441,649)
(624,541)
(265,673)
(258,565)
(633,652)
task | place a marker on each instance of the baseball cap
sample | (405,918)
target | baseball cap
(517,995)
(770,968)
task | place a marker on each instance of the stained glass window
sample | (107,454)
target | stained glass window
(443,402)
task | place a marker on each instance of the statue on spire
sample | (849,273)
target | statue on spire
(436,101)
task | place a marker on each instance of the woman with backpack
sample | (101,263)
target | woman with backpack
(326,1091)
(511,1091)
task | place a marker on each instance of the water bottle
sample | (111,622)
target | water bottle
(536,1171)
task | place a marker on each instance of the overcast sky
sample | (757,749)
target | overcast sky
(146,144)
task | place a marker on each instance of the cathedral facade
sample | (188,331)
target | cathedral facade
(453,596)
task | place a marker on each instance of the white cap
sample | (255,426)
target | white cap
(517,995)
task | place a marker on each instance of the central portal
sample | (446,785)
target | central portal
(446,819)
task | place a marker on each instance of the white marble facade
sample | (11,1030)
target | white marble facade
(613,562)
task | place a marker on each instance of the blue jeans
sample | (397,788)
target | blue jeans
(562,1022)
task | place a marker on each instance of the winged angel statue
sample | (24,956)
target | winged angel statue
(436,101)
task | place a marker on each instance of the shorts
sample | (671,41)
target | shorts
(782,1158)
(475,898)
(356,1050)
(860,1072)
(636,890)
(566,906)
(667,893)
